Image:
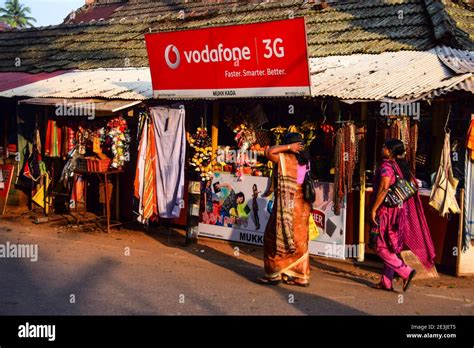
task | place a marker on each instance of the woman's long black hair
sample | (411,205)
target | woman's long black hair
(398,150)
(303,156)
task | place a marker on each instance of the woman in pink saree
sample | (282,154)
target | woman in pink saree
(398,227)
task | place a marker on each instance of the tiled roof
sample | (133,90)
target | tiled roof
(343,28)
(4,26)
(92,13)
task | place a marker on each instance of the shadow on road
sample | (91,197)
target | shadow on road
(304,298)
(43,288)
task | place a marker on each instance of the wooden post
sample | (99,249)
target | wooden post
(215,128)
(5,132)
(460,231)
(362,166)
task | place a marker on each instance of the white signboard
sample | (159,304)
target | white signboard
(235,211)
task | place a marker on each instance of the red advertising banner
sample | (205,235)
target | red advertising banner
(252,60)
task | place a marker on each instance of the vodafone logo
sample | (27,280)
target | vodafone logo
(221,53)
(167,56)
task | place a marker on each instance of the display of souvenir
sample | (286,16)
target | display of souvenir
(309,129)
(115,139)
(278,131)
(202,159)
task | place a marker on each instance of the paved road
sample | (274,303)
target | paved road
(162,276)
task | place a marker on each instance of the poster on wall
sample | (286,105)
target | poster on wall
(331,241)
(235,211)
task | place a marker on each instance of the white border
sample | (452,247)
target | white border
(234,92)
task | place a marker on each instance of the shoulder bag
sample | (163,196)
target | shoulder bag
(400,191)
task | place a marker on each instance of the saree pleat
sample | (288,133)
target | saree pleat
(286,252)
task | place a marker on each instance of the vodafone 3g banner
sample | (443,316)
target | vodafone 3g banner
(264,59)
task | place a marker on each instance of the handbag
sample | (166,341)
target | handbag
(400,191)
(308,187)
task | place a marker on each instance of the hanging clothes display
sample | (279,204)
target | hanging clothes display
(159,178)
(53,142)
(170,137)
(140,170)
(443,194)
(67,143)
(470,139)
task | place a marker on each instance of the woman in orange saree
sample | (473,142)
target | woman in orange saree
(286,256)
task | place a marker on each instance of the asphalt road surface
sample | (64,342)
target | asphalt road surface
(88,272)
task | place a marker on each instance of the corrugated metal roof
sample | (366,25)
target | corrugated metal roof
(127,83)
(457,60)
(18,79)
(404,75)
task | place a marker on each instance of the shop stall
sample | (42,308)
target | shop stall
(69,151)
(350,121)
(234,204)
(228,161)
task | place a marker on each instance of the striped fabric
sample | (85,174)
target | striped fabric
(53,140)
(287,186)
(149,192)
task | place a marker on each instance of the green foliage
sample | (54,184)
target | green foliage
(16,14)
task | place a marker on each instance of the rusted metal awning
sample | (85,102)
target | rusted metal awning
(12,80)
(113,84)
(72,107)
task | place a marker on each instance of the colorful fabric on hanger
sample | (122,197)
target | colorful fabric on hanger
(71,139)
(144,183)
(470,139)
(159,177)
(149,189)
(67,143)
(53,140)
(170,138)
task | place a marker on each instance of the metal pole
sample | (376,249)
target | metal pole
(215,128)
(363,160)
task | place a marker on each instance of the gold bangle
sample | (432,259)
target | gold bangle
(289,147)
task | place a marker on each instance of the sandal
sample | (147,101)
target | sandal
(291,281)
(406,282)
(379,286)
(269,281)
